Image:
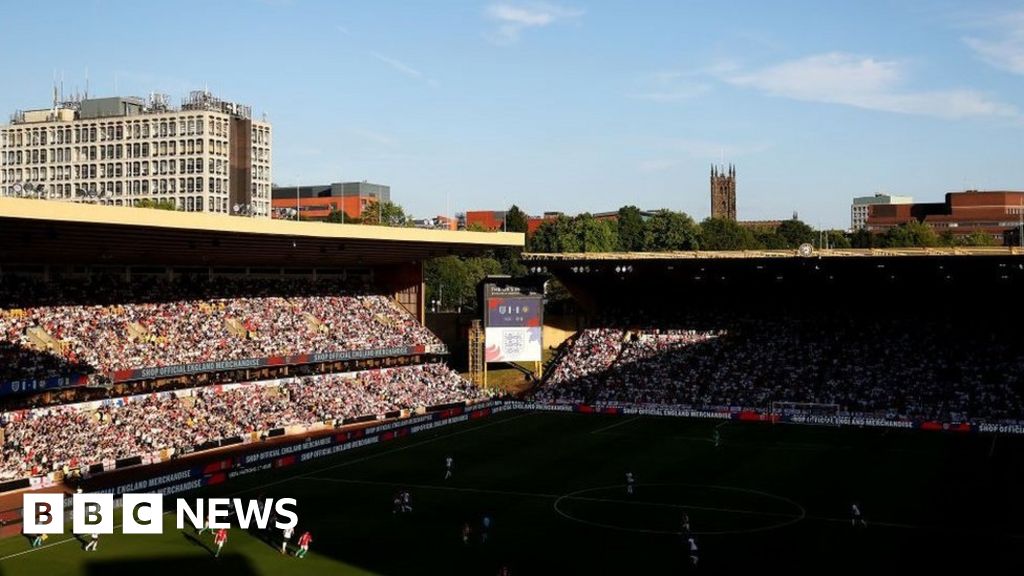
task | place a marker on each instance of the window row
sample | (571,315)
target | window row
(261,135)
(122,129)
(117,170)
(112,152)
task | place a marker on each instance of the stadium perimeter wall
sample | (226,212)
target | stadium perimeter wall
(184,475)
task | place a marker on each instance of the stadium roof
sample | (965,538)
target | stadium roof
(536,257)
(43,232)
(973,281)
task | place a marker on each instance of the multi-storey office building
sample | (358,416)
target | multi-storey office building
(859,208)
(207,155)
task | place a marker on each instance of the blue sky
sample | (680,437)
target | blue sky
(574,106)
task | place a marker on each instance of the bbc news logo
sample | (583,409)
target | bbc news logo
(142,513)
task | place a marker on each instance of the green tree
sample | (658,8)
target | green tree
(593,235)
(446,279)
(769,240)
(837,239)
(724,234)
(386,214)
(631,229)
(668,230)
(547,236)
(509,258)
(911,234)
(340,217)
(156,204)
(862,238)
(452,280)
(973,239)
(794,233)
(584,233)
(515,220)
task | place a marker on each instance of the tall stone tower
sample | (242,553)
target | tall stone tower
(723,192)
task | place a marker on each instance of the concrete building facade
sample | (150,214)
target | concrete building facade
(208,155)
(859,208)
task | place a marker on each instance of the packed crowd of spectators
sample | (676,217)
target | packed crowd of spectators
(890,368)
(106,325)
(46,439)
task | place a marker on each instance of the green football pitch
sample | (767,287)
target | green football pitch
(769,499)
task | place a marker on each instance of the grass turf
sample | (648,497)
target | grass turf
(770,498)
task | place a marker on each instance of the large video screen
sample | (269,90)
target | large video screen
(513,320)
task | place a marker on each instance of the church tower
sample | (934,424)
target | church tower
(723,192)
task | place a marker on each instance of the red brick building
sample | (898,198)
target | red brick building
(487,219)
(320,208)
(991,212)
(319,201)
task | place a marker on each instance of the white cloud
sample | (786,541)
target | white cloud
(678,94)
(1004,48)
(404,69)
(512,19)
(398,65)
(864,82)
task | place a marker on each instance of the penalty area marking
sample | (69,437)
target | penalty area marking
(789,519)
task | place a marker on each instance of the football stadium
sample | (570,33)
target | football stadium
(787,411)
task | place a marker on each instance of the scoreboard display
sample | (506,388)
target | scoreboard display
(513,321)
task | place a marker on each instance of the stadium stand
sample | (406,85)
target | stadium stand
(105,325)
(889,368)
(48,439)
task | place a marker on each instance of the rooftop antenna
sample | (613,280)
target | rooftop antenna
(86,83)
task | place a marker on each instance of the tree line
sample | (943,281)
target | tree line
(667,230)
(451,280)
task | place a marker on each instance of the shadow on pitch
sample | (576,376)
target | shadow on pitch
(226,565)
(271,538)
(196,540)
